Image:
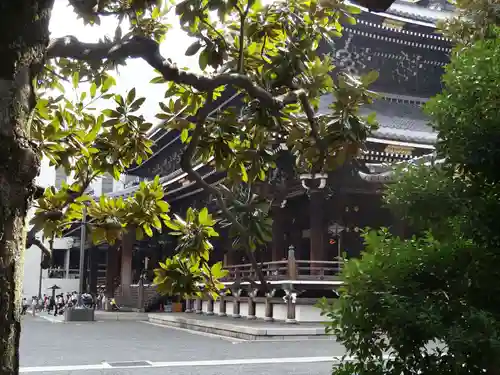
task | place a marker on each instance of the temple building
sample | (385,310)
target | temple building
(314,222)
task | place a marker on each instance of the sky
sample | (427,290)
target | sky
(136,73)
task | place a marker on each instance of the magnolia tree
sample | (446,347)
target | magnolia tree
(266,53)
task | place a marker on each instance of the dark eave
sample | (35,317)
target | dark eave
(165,141)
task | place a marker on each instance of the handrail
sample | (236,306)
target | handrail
(289,269)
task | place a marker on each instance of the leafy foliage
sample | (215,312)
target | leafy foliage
(476,20)
(430,304)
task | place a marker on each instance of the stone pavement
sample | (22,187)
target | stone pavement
(136,347)
(240,328)
(99,316)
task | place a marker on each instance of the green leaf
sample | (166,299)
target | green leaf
(137,104)
(131,96)
(203,59)
(371,118)
(157,222)
(244,174)
(369,78)
(95,130)
(184,135)
(203,216)
(75,78)
(83,198)
(353,9)
(156,13)
(93,89)
(164,206)
(148,230)
(139,234)
(172,225)
(108,82)
(193,48)
(158,79)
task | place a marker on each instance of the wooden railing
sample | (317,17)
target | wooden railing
(286,270)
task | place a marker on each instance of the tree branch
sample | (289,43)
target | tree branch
(311,117)
(46,253)
(241,52)
(148,50)
(187,167)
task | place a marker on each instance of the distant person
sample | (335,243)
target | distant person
(114,306)
(24,306)
(34,303)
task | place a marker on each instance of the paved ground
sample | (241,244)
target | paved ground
(102,347)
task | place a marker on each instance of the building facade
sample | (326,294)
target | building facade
(320,220)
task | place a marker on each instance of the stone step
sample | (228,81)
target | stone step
(240,328)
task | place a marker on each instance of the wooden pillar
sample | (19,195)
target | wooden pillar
(126,267)
(292,265)
(112,261)
(278,244)
(140,294)
(94,267)
(86,263)
(316,212)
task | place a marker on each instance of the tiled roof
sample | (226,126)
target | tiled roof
(403,121)
(422,13)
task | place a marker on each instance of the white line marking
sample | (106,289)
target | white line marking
(50,318)
(248,361)
(200,333)
(260,341)
(102,366)
(223,362)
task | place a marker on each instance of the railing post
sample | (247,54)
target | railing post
(251,304)
(199,306)
(237,275)
(292,265)
(210,306)
(222,306)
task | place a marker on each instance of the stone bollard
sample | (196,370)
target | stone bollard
(210,306)
(236,304)
(199,306)
(269,310)
(222,306)
(189,308)
(290,300)
(251,304)
(236,308)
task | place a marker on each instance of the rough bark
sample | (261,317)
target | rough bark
(23,42)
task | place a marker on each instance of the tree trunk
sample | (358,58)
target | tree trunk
(23,41)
